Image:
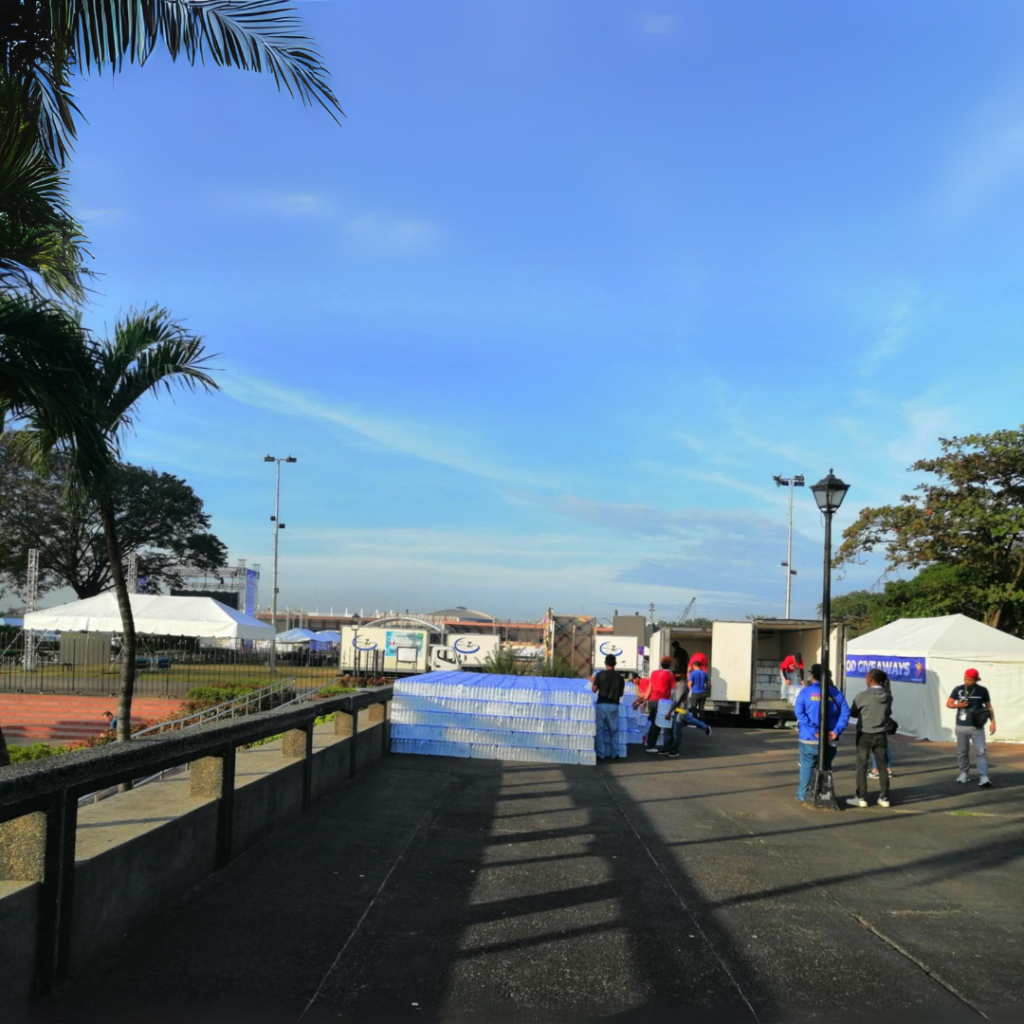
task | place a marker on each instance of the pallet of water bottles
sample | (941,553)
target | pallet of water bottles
(497,717)
(510,718)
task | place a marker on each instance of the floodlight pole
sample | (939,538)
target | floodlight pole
(790,482)
(278,525)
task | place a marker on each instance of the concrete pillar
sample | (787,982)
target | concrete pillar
(206,778)
(294,743)
(23,848)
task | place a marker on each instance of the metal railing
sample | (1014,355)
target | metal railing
(242,705)
(52,788)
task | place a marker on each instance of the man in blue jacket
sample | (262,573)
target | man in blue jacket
(808,715)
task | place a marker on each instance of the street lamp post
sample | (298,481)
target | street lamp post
(278,525)
(828,493)
(790,482)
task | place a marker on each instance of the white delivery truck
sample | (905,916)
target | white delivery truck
(383,650)
(463,651)
(627,651)
(744,659)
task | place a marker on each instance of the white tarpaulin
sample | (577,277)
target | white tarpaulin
(155,615)
(926,659)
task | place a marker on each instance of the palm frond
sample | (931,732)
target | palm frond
(48,377)
(37,232)
(149,351)
(252,35)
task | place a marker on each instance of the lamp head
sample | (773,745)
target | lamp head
(291,458)
(268,458)
(829,493)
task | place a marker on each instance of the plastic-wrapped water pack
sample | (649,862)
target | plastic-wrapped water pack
(509,718)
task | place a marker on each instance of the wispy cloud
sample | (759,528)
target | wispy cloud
(897,327)
(658,24)
(374,236)
(284,204)
(93,216)
(983,165)
(427,442)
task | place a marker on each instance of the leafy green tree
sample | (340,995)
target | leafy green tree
(965,529)
(158,516)
(77,395)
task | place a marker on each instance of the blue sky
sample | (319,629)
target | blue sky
(573,280)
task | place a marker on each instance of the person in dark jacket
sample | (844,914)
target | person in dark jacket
(873,710)
(609,686)
(808,716)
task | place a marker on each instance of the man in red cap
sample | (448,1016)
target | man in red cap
(973,712)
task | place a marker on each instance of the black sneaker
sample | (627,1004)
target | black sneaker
(707,731)
(673,755)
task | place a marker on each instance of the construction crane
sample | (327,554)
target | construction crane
(685,613)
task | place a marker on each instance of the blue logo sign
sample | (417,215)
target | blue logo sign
(609,648)
(363,643)
(899,668)
(465,646)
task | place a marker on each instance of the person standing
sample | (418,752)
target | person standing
(873,710)
(609,687)
(662,681)
(680,658)
(792,672)
(973,712)
(698,680)
(680,719)
(808,716)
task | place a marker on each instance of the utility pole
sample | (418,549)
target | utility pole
(790,482)
(278,525)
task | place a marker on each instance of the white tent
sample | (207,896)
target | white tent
(295,636)
(926,660)
(155,615)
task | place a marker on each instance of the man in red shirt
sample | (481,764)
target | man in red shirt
(661,683)
(792,672)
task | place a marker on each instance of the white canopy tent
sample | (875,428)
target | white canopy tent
(295,636)
(926,659)
(155,615)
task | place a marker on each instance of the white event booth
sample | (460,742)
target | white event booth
(926,659)
(155,615)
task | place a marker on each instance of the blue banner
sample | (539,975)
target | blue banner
(898,667)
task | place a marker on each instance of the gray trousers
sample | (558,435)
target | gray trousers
(965,734)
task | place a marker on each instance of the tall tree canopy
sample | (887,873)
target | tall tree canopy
(157,515)
(966,527)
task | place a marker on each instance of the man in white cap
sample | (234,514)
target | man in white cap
(973,712)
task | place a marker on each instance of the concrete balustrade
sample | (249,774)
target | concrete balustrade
(74,879)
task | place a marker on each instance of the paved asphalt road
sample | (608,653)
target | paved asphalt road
(649,889)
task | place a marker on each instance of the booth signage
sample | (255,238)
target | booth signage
(395,638)
(899,668)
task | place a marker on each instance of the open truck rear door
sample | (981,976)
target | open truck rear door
(732,671)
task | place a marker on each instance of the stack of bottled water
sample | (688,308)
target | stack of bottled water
(632,724)
(507,718)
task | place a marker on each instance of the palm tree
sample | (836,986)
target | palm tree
(39,239)
(77,396)
(43,41)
